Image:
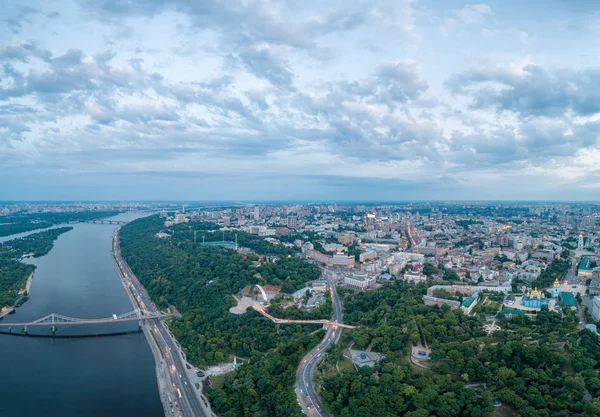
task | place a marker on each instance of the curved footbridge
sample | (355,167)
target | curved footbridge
(334,324)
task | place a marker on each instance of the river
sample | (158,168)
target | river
(109,376)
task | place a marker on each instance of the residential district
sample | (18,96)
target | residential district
(465,250)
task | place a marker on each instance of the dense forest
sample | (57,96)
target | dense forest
(19,223)
(14,274)
(21,227)
(37,244)
(199,281)
(291,273)
(264,388)
(537,367)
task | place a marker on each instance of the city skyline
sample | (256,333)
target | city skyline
(261,101)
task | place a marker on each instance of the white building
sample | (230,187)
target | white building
(410,256)
(334,247)
(414,276)
(180,218)
(301,293)
(267,232)
(396,268)
(341,259)
(359,280)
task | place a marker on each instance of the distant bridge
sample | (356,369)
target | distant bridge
(60,320)
(325,322)
(104,221)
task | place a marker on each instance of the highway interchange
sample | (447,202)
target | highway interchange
(183,399)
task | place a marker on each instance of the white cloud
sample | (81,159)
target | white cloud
(511,33)
(470,15)
(474,14)
(275,90)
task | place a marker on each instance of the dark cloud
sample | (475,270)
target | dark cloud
(534,91)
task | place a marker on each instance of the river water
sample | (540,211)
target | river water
(109,376)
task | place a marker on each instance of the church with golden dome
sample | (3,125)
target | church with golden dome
(534,299)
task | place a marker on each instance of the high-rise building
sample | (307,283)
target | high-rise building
(256,212)
(292,222)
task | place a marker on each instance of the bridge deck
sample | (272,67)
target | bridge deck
(277,320)
(76,322)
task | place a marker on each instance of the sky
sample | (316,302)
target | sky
(299,100)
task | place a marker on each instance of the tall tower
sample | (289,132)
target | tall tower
(556,289)
(580,242)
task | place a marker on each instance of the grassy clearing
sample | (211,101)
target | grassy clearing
(217,381)
(344,364)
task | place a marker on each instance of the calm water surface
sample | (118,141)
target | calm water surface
(92,377)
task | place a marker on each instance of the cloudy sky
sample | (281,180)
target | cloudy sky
(300,99)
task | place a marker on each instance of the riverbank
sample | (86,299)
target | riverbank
(6,310)
(163,387)
(28,285)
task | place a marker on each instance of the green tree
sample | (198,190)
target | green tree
(450,275)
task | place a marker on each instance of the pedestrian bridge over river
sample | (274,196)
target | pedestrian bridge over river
(53,320)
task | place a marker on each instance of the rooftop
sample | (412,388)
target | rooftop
(468,301)
(568,299)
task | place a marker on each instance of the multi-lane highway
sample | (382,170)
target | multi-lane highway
(184,400)
(305,391)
